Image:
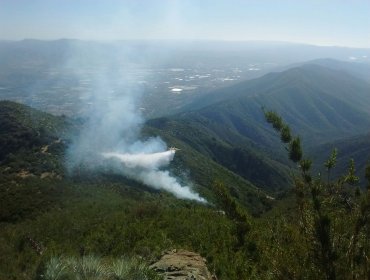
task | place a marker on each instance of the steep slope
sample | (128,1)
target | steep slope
(320,103)
(23,127)
(357,148)
(359,70)
(100,214)
(203,169)
(31,141)
(221,142)
(33,145)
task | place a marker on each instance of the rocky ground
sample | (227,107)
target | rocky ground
(182,265)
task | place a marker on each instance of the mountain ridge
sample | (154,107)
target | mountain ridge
(317,104)
(305,96)
(34,145)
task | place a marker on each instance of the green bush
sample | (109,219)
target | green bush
(91,267)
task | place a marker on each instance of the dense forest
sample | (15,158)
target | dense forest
(184,140)
(97,225)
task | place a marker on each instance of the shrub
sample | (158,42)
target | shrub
(91,267)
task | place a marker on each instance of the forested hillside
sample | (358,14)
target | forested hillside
(320,103)
(268,214)
(49,218)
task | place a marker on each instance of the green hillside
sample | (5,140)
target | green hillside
(321,104)
(224,144)
(229,154)
(44,212)
(34,143)
(24,127)
(331,80)
(357,148)
(47,217)
(357,69)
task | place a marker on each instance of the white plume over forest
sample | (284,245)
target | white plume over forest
(109,140)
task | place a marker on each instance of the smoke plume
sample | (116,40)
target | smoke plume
(145,168)
(109,139)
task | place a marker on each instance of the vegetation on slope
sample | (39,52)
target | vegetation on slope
(46,214)
(357,148)
(320,232)
(232,150)
(92,267)
(23,128)
(321,104)
(332,216)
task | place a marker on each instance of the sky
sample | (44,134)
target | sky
(319,22)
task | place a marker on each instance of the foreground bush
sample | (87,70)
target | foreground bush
(92,267)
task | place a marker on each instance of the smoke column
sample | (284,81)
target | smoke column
(109,139)
(145,168)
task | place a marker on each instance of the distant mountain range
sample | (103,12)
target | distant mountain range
(224,135)
(357,69)
(320,104)
(57,76)
(180,53)
(227,153)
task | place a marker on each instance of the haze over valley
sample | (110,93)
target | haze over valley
(172,140)
(56,76)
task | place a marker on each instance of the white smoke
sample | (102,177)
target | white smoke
(144,161)
(145,168)
(109,139)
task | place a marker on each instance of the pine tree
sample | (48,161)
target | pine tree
(328,214)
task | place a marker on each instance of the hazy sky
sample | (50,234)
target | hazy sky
(323,22)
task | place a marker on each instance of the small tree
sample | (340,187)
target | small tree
(335,227)
(234,212)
